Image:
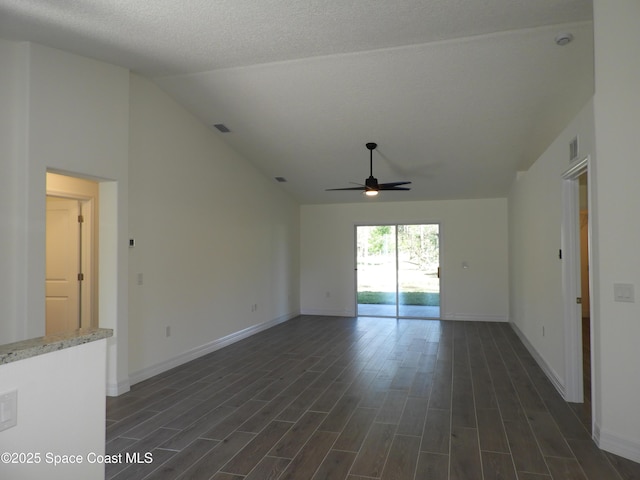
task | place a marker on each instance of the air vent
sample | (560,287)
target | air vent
(281,179)
(573,149)
(222,127)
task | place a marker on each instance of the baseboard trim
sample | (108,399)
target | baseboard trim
(623,447)
(546,368)
(474,318)
(116,389)
(327,313)
(448,316)
(148,372)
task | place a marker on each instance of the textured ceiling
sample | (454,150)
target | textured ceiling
(459,94)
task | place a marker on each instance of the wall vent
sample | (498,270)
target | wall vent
(573,149)
(222,127)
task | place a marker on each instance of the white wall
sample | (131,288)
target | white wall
(68,114)
(617,121)
(13,113)
(213,238)
(615,169)
(54,415)
(474,231)
(535,222)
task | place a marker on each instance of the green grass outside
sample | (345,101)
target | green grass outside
(425,299)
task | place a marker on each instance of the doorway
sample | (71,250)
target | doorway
(576,235)
(71,254)
(583,187)
(397,272)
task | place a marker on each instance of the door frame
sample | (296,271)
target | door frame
(88,248)
(573,385)
(395,225)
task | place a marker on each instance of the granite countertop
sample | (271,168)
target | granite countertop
(12,352)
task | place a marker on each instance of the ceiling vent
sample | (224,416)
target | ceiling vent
(573,149)
(222,127)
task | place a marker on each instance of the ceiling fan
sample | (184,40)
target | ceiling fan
(371,186)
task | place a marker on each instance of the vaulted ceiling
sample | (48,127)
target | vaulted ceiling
(458,94)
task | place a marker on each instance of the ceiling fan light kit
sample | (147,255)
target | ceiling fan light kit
(371,186)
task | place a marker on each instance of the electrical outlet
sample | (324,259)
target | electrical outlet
(140,279)
(167,331)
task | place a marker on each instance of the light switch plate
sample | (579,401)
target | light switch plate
(8,410)
(623,292)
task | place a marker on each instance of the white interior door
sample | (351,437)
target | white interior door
(62,304)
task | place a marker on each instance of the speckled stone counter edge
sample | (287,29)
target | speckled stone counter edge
(12,352)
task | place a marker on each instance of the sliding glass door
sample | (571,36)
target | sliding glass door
(397,270)
(376,270)
(418,263)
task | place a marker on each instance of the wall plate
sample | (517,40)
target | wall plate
(8,410)
(623,292)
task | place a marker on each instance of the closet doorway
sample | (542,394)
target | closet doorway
(398,270)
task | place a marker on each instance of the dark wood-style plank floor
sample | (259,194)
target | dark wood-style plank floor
(357,399)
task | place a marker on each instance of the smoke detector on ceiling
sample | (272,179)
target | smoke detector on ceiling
(563,38)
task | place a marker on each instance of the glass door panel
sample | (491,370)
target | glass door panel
(398,270)
(418,263)
(376,270)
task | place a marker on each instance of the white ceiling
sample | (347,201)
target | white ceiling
(458,94)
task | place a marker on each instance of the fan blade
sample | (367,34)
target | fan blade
(393,184)
(386,189)
(348,188)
